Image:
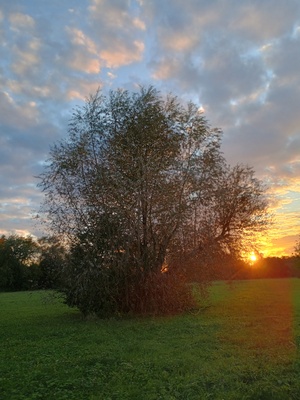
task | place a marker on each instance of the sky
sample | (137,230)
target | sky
(238,59)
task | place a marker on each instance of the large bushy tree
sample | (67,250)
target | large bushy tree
(52,257)
(139,183)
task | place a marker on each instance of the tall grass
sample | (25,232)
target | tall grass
(243,345)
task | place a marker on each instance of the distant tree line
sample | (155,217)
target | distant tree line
(270,267)
(28,264)
(276,267)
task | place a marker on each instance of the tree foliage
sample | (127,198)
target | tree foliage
(27,264)
(17,262)
(296,254)
(139,184)
(297,249)
(52,256)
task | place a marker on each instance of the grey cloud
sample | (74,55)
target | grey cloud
(284,57)
(227,76)
(16,115)
(261,21)
(293,146)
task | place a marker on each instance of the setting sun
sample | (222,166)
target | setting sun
(253,257)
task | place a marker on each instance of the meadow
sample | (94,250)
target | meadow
(241,344)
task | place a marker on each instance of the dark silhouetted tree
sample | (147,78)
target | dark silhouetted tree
(297,249)
(18,270)
(52,257)
(224,220)
(139,183)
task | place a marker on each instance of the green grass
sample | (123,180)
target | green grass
(243,346)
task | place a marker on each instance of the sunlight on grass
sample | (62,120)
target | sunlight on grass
(243,345)
(259,318)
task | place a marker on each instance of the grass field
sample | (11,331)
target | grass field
(243,346)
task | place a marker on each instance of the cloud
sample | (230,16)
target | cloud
(284,245)
(26,57)
(17,115)
(248,89)
(25,50)
(121,55)
(83,89)
(239,60)
(118,32)
(80,39)
(83,55)
(262,21)
(17,208)
(179,42)
(20,21)
(1,27)
(78,61)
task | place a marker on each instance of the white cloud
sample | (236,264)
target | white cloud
(26,59)
(83,54)
(80,39)
(179,42)
(83,89)
(119,55)
(25,44)
(17,115)
(20,22)
(79,62)
(138,23)
(118,32)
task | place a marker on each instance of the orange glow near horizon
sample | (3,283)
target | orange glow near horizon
(276,242)
(274,246)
